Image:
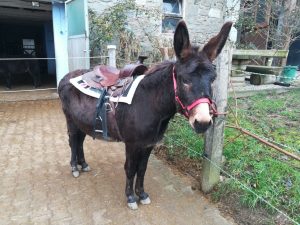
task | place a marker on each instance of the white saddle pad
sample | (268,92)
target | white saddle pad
(127,97)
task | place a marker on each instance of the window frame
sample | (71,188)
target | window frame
(170,15)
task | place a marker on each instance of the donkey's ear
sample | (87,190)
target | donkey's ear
(216,44)
(182,43)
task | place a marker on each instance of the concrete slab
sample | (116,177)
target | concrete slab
(248,90)
(28,95)
(36,186)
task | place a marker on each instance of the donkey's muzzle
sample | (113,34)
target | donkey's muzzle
(200,118)
(201,127)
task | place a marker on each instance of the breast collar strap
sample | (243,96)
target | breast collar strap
(187,109)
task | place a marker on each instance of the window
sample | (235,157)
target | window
(28,47)
(172,10)
(261,12)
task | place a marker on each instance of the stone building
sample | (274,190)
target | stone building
(203,17)
(56,32)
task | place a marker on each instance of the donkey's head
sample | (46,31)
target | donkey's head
(194,73)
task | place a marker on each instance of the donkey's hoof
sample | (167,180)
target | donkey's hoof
(86,169)
(75,173)
(144,198)
(132,205)
(145,201)
(131,202)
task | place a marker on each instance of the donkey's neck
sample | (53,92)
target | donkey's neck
(155,105)
(160,83)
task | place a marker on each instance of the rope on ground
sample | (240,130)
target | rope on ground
(265,142)
(269,142)
(237,122)
(276,143)
(245,187)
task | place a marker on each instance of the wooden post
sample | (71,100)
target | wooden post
(112,55)
(214,136)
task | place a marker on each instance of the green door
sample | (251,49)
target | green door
(78,34)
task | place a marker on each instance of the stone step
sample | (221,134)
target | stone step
(28,95)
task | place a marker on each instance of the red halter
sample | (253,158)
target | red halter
(188,108)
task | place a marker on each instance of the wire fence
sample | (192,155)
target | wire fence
(245,187)
(235,179)
(274,142)
(234,113)
(93,59)
(128,61)
(52,58)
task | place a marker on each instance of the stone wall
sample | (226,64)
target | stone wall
(204,19)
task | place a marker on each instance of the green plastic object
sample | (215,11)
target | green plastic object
(288,74)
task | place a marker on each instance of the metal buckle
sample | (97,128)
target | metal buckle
(108,107)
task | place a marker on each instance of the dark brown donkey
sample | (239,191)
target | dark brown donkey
(183,86)
(11,68)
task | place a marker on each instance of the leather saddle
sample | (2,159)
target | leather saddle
(107,76)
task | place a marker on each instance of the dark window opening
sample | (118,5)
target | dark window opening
(172,10)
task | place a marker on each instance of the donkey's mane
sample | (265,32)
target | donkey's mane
(159,72)
(159,67)
(167,66)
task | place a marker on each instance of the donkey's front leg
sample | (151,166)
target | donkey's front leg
(130,170)
(141,170)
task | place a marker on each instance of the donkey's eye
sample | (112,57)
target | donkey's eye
(186,81)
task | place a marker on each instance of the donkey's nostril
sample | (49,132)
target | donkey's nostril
(201,127)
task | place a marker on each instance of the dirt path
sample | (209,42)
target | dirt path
(36,186)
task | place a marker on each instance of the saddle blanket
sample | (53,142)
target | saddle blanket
(126,97)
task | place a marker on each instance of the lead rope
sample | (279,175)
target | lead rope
(214,110)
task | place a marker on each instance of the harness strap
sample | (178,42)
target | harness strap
(197,102)
(103,116)
(188,108)
(100,115)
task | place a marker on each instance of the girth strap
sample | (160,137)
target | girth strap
(100,114)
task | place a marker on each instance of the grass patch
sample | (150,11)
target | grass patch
(180,134)
(270,174)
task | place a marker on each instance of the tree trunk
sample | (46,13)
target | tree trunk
(284,29)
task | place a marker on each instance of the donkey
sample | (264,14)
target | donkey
(9,68)
(182,86)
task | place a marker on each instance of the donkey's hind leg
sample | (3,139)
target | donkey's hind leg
(76,138)
(80,153)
